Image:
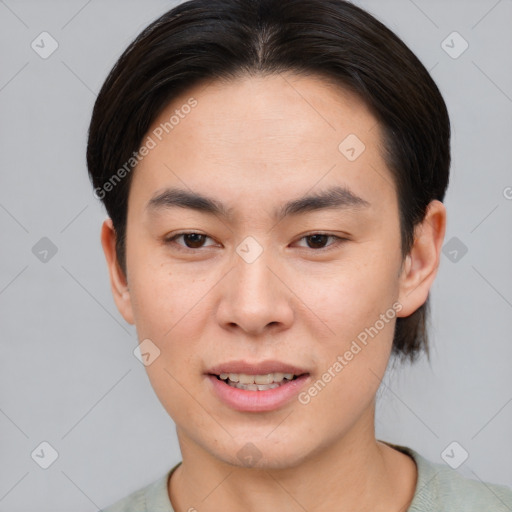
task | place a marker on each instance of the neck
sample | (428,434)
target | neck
(355,473)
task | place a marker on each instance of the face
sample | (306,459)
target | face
(254,287)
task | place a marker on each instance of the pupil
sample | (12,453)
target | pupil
(198,239)
(317,237)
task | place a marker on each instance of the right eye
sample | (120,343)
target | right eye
(192,240)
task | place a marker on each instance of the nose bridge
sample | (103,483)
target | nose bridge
(253,275)
(254,297)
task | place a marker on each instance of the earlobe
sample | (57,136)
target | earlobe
(421,264)
(118,281)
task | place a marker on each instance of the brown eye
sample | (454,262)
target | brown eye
(191,240)
(317,241)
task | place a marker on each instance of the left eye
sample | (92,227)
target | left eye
(316,241)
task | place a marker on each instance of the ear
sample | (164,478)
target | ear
(420,265)
(118,281)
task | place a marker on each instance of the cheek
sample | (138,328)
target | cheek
(356,302)
(168,311)
(354,357)
(164,297)
(353,294)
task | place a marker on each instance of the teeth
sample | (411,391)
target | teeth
(264,379)
(256,380)
(244,379)
(254,387)
(263,387)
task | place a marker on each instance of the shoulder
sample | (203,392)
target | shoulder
(455,492)
(151,498)
(442,489)
(134,502)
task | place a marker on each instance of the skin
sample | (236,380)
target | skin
(254,143)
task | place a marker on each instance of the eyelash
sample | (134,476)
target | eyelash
(337,243)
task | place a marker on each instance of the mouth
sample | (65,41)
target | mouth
(259,382)
(257,387)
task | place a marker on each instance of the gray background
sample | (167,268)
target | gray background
(68,375)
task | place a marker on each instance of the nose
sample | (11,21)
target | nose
(255,297)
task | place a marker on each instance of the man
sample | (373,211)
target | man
(274,174)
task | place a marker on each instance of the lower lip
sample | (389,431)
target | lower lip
(257,401)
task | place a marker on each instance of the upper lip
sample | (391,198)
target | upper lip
(255,368)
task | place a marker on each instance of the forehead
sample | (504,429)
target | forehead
(259,139)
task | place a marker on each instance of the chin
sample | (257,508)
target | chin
(262,453)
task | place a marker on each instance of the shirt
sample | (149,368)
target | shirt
(439,488)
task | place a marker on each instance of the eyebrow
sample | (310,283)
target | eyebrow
(337,197)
